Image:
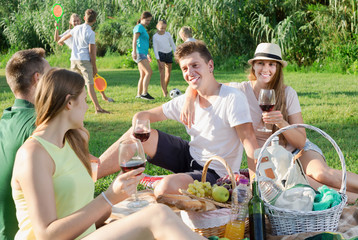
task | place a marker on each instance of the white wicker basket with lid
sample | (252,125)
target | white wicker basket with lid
(287,222)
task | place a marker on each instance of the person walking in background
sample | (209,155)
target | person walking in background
(74,21)
(163,46)
(83,55)
(266,73)
(186,34)
(52,185)
(141,56)
(17,123)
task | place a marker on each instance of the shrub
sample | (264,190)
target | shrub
(320,34)
(4,58)
(107,36)
(354,68)
(231,63)
(60,58)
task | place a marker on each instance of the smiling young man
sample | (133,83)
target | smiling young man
(222,120)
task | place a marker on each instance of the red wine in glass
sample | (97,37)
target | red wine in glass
(142,129)
(131,165)
(141,135)
(267,107)
(267,101)
(131,156)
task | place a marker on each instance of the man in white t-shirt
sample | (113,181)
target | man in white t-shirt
(222,120)
(83,55)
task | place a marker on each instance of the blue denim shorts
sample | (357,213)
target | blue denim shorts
(310,146)
(140,57)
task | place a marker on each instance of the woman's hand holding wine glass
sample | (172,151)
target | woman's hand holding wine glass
(267,102)
(131,156)
(124,185)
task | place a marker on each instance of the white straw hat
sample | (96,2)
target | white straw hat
(268,51)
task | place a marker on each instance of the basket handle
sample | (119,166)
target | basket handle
(341,157)
(228,169)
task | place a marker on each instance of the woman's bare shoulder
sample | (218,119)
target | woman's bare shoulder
(32,155)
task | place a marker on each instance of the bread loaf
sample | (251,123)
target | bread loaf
(171,199)
(209,206)
(190,205)
(186,203)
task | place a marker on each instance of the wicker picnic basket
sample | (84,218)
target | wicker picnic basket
(212,223)
(288,222)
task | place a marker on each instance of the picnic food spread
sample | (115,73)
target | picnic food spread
(206,208)
(282,194)
(201,196)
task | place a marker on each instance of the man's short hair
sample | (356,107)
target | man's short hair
(188,48)
(22,66)
(91,15)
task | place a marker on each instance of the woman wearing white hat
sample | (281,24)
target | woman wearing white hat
(266,73)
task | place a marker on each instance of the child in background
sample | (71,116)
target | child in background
(141,56)
(163,46)
(83,55)
(186,34)
(74,21)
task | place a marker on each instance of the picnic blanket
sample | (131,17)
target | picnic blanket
(347,228)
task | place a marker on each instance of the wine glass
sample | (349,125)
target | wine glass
(267,101)
(131,156)
(142,129)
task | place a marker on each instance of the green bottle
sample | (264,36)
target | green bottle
(257,215)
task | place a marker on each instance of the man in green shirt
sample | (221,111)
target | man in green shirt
(23,71)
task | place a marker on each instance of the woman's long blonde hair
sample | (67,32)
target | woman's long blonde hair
(55,89)
(276,83)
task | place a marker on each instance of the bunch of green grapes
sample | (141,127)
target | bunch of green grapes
(199,189)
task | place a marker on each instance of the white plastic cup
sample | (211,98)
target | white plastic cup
(94,166)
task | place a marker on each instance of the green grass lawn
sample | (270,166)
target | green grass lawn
(328,101)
